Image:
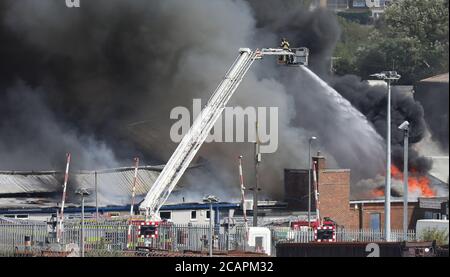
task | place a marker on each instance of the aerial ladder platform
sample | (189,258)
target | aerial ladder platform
(199,131)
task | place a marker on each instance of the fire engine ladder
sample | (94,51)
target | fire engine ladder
(197,134)
(192,141)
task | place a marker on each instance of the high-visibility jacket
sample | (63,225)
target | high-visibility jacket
(285,44)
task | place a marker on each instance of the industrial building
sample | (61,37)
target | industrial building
(183,214)
(35,196)
(336,201)
(350,212)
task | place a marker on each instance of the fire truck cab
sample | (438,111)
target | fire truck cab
(146,229)
(323,232)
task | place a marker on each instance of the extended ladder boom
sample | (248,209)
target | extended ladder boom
(197,134)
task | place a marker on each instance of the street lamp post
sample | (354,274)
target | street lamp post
(405,128)
(210,199)
(388,76)
(83,192)
(311,139)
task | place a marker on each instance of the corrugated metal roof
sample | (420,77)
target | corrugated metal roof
(114,185)
(432,202)
(25,183)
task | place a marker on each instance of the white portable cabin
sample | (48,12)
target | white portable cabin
(424,225)
(260,239)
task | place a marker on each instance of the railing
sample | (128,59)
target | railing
(285,234)
(111,237)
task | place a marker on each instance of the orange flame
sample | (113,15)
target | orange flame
(416,182)
(378,192)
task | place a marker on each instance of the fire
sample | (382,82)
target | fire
(416,183)
(378,192)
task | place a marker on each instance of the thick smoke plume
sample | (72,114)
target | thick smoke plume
(319,31)
(372,102)
(100,81)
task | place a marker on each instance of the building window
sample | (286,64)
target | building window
(22,216)
(193,215)
(165,215)
(375,221)
(359,3)
(9,216)
(432,215)
(208,214)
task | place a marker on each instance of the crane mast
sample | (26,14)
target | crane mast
(197,134)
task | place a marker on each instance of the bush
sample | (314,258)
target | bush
(440,236)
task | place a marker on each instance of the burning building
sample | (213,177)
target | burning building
(105,92)
(353,210)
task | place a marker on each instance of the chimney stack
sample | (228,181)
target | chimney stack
(321,165)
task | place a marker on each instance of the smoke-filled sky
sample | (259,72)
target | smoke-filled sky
(99,81)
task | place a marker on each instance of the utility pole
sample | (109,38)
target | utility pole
(133,192)
(210,230)
(244,211)
(210,199)
(82,192)
(133,195)
(96,205)
(256,188)
(96,197)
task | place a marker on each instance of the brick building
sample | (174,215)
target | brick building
(335,202)
(370,213)
(334,193)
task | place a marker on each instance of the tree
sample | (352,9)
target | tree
(353,37)
(412,38)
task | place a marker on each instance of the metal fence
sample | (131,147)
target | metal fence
(109,237)
(12,235)
(286,234)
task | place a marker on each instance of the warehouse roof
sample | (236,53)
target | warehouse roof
(114,185)
(432,202)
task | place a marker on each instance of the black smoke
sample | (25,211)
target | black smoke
(372,102)
(318,30)
(100,81)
